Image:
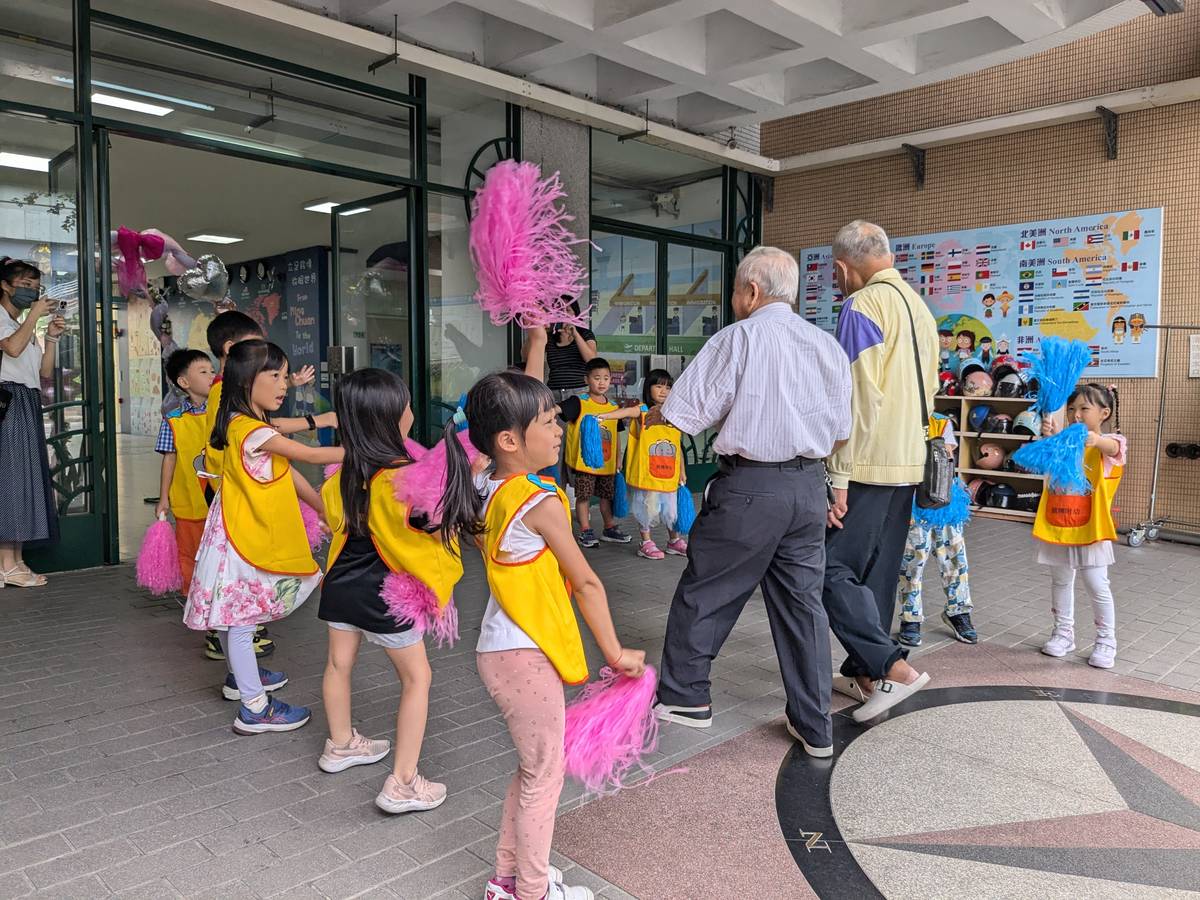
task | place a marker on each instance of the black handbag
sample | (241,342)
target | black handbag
(933,492)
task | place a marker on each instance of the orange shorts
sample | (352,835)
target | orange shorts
(187,537)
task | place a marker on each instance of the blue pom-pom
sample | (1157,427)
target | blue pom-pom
(1059,458)
(955,513)
(591,445)
(460,414)
(620,497)
(1057,368)
(685,510)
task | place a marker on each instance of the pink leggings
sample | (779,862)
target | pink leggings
(529,692)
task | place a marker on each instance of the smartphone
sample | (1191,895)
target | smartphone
(62,307)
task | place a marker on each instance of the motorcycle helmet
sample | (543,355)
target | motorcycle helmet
(1027,422)
(998,423)
(1028,501)
(1011,384)
(947,385)
(991,456)
(977,416)
(1002,496)
(978,489)
(976,382)
(952,415)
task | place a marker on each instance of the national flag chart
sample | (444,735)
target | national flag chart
(1096,278)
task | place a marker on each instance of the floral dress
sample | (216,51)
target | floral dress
(227,591)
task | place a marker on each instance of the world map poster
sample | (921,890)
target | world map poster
(1001,289)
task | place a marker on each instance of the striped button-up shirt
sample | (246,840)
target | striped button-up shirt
(775,385)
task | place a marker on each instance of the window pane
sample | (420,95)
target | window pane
(462,124)
(695,281)
(35,53)
(148,83)
(624,298)
(39,223)
(464,345)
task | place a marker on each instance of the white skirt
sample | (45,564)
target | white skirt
(1076,557)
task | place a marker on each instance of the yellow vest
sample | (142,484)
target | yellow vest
(262,519)
(1080,520)
(937,426)
(653,457)
(212,461)
(186,493)
(401,547)
(608,438)
(534,593)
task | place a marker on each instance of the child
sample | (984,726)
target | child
(653,467)
(599,482)
(255,564)
(1075,534)
(184,432)
(529,641)
(947,544)
(373,536)
(227,329)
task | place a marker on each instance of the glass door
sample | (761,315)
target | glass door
(372,283)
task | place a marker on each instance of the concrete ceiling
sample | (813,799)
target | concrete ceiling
(706,65)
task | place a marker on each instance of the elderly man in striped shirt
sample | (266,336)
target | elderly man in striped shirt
(779,390)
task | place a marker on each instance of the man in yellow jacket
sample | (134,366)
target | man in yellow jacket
(874,474)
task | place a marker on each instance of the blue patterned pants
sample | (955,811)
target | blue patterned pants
(947,544)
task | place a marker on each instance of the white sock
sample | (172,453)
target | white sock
(256,704)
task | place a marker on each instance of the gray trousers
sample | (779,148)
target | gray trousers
(757,527)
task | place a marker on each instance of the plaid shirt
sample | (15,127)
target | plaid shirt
(166,437)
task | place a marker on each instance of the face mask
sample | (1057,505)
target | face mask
(24,297)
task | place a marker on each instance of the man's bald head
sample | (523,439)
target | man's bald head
(860,249)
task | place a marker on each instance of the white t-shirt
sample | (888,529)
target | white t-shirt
(518,544)
(26,368)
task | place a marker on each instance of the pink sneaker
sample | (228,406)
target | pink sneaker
(677,547)
(649,550)
(416,796)
(360,751)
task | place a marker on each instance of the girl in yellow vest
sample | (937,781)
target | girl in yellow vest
(654,467)
(254,564)
(1075,534)
(374,537)
(529,642)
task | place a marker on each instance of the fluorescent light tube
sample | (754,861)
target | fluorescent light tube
(137,92)
(151,109)
(22,161)
(238,142)
(205,237)
(355,212)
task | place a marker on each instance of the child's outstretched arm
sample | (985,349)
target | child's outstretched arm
(1106,444)
(547,520)
(298,452)
(164,483)
(301,377)
(294,424)
(535,353)
(625,412)
(307,492)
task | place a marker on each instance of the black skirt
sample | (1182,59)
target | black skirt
(27,510)
(350,591)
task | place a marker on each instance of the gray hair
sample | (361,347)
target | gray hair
(860,241)
(775,271)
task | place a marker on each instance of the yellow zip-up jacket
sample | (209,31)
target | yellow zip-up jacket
(887,440)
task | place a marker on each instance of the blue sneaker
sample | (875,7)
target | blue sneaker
(961,626)
(278,716)
(271,681)
(588,539)
(615,535)
(910,634)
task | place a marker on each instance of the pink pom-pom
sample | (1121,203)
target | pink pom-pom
(610,728)
(521,248)
(331,470)
(314,529)
(158,560)
(422,485)
(409,599)
(415,450)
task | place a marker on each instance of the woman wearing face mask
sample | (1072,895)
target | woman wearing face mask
(27,513)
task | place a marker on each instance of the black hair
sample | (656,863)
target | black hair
(12,269)
(504,401)
(1100,395)
(655,377)
(180,361)
(945,332)
(597,362)
(985,338)
(245,361)
(230,326)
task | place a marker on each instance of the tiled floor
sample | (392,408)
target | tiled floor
(119,772)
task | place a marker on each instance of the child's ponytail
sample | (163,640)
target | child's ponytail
(1112,389)
(461,505)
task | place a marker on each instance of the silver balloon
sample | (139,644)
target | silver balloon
(207,280)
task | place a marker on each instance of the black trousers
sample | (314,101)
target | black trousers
(757,526)
(862,569)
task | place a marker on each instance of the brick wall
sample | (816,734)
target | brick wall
(1049,173)
(1149,50)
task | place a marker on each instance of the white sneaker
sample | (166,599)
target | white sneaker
(690,716)
(495,891)
(563,892)
(1103,656)
(1060,644)
(815,752)
(887,694)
